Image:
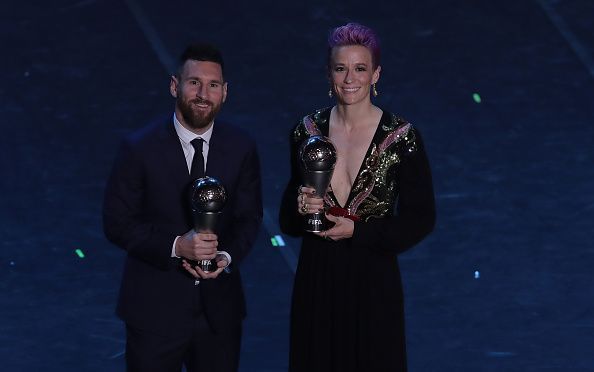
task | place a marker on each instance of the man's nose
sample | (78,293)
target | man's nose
(201,91)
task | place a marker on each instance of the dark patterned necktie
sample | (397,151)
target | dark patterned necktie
(197,170)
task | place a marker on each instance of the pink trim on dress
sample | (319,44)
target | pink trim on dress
(390,139)
(311,127)
(393,137)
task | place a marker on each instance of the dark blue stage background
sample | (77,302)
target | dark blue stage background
(503,92)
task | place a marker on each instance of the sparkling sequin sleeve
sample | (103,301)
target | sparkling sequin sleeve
(414,215)
(290,220)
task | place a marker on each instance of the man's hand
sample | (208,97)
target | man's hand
(198,273)
(197,246)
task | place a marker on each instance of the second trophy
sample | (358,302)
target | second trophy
(317,157)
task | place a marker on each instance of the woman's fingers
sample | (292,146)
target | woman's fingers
(308,202)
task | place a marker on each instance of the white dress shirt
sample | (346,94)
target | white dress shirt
(186,137)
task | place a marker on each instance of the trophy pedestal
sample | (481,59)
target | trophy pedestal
(319,180)
(205,221)
(317,222)
(207,266)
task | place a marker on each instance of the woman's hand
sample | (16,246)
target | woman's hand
(308,201)
(343,228)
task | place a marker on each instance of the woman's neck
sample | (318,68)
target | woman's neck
(354,117)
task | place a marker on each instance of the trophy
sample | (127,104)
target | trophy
(208,200)
(318,157)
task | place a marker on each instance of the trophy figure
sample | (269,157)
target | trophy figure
(208,200)
(318,157)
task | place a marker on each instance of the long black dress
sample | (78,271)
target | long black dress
(347,308)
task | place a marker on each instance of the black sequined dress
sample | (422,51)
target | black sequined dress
(347,308)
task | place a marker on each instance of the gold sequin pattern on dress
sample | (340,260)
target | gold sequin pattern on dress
(375,190)
(376,184)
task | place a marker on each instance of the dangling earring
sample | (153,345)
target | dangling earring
(374,90)
(330,93)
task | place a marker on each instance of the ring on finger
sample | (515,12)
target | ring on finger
(304,208)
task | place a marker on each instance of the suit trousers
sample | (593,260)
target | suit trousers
(199,348)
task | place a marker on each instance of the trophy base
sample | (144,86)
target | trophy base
(205,265)
(317,222)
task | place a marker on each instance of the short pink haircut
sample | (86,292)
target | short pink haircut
(355,34)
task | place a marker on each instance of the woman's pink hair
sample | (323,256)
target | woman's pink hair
(355,34)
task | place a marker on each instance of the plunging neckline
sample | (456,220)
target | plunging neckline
(326,132)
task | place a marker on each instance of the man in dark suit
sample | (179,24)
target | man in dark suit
(180,315)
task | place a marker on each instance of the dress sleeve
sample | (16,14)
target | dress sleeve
(415,210)
(291,222)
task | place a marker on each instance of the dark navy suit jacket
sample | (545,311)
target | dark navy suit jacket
(147,205)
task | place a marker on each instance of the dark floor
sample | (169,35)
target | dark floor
(514,174)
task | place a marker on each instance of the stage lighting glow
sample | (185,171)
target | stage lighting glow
(79,253)
(477,274)
(476,97)
(279,240)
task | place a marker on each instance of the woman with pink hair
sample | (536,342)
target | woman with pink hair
(347,311)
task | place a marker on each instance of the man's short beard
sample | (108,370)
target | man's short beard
(196,120)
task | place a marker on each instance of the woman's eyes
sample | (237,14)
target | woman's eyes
(358,69)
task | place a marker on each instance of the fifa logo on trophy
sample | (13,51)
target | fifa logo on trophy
(208,198)
(318,158)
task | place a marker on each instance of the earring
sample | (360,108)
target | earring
(374,90)
(330,93)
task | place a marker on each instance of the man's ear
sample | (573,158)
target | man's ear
(173,86)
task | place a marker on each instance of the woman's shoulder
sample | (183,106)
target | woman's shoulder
(391,122)
(398,132)
(310,124)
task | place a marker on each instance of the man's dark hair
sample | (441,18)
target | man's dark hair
(201,52)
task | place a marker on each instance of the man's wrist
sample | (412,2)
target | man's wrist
(174,248)
(223,255)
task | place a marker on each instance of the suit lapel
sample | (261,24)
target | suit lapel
(216,153)
(174,161)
